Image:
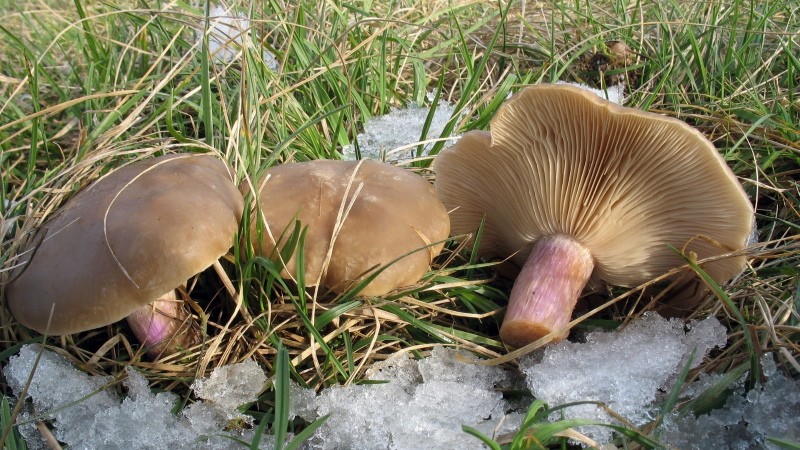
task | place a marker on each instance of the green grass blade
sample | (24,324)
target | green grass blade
(486,440)
(305,433)
(280,426)
(716,395)
(330,315)
(753,353)
(205,81)
(784,443)
(91,42)
(672,399)
(13,440)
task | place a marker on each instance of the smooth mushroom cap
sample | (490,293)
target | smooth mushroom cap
(624,183)
(394,213)
(124,241)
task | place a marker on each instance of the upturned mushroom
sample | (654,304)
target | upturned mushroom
(576,189)
(360,216)
(120,248)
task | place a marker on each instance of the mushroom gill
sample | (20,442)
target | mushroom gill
(575,188)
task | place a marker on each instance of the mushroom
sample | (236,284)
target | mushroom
(128,239)
(576,189)
(360,215)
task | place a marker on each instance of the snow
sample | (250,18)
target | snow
(228,387)
(394,136)
(423,405)
(88,415)
(411,404)
(626,370)
(615,93)
(55,384)
(746,420)
(228,33)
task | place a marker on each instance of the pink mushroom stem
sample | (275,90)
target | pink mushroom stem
(163,326)
(546,290)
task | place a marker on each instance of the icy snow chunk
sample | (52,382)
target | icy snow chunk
(143,420)
(88,416)
(301,402)
(204,418)
(746,420)
(351,426)
(230,386)
(228,33)
(615,93)
(624,369)
(392,137)
(401,370)
(450,365)
(422,405)
(73,396)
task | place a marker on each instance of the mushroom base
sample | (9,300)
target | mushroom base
(163,326)
(546,290)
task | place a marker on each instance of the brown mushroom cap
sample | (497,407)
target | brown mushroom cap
(124,241)
(395,212)
(625,183)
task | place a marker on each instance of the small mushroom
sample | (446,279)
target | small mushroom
(128,239)
(360,215)
(576,189)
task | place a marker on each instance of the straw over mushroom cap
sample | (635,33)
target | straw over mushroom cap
(124,241)
(622,183)
(382,213)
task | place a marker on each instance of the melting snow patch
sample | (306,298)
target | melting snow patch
(56,384)
(625,369)
(391,137)
(746,420)
(229,387)
(86,415)
(423,404)
(615,93)
(228,33)
(409,404)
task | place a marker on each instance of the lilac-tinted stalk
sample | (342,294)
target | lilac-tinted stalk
(163,326)
(546,290)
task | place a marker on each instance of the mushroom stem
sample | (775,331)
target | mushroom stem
(163,326)
(546,290)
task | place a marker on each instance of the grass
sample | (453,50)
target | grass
(88,86)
